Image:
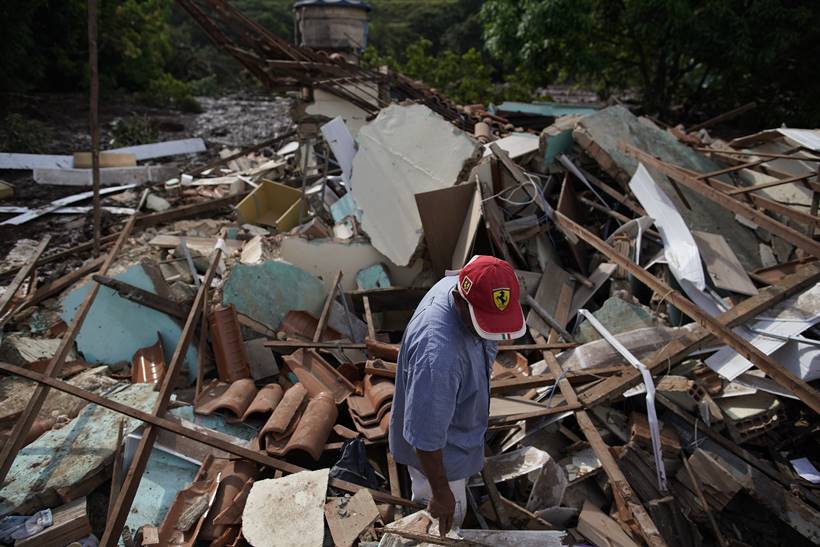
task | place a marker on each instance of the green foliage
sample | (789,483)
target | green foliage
(168,92)
(464,78)
(45,43)
(21,134)
(711,54)
(132,131)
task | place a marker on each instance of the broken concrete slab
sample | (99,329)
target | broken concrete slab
(348,517)
(516,145)
(404,151)
(599,134)
(67,462)
(324,257)
(116,327)
(111,175)
(331,106)
(266,292)
(286,512)
(442,214)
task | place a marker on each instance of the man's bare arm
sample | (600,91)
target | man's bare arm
(442,504)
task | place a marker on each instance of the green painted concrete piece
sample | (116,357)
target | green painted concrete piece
(266,292)
(66,457)
(618,316)
(116,328)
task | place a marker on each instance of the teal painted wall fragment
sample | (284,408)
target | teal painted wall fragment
(345,207)
(116,328)
(544,109)
(268,291)
(373,277)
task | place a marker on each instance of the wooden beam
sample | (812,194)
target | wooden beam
(540,380)
(677,350)
(368,316)
(197,435)
(732,169)
(721,152)
(779,229)
(116,472)
(22,274)
(143,297)
(795,385)
(723,117)
(625,498)
(322,324)
(125,499)
(60,284)
(296,344)
(495,500)
(699,491)
(771,184)
(24,422)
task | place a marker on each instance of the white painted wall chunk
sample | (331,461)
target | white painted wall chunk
(287,512)
(404,151)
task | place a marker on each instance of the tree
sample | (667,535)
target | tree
(465,78)
(676,53)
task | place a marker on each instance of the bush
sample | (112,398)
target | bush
(24,135)
(132,131)
(168,92)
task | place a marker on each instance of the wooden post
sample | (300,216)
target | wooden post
(627,502)
(320,327)
(125,498)
(93,122)
(22,274)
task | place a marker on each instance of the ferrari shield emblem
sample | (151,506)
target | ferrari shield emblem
(501,298)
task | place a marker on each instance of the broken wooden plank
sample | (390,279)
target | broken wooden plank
(24,423)
(677,350)
(320,327)
(143,297)
(625,498)
(70,523)
(125,498)
(22,275)
(200,435)
(798,387)
(779,229)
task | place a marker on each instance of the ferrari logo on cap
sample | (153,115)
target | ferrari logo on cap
(501,298)
(466,285)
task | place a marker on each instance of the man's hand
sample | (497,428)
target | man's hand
(442,506)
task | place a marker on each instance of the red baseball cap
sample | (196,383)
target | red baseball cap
(491,289)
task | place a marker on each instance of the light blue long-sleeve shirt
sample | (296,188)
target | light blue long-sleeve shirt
(442,398)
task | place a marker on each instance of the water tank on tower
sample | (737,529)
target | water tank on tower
(338,26)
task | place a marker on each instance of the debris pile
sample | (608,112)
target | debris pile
(224,371)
